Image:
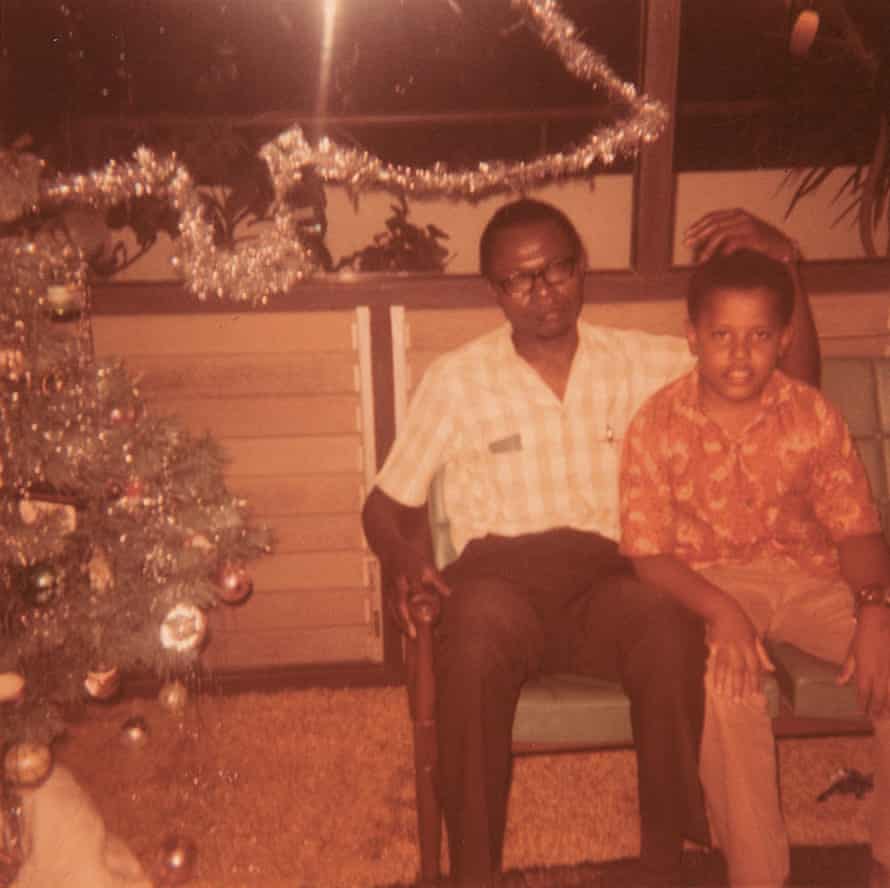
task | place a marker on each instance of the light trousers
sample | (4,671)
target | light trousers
(738,754)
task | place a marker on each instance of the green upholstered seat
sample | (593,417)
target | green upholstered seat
(809,685)
(573,710)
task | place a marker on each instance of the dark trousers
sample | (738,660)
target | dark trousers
(562,601)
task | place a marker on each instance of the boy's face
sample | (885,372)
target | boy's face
(738,340)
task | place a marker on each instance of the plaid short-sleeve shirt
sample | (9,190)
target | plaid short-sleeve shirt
(790,486)
(515,458)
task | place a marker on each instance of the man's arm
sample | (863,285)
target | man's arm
(724,232)
(737,652)
(865,561)
(400,537)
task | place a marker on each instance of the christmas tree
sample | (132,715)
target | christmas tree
(117,531)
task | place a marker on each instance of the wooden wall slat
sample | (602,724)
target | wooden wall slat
(308,570)
(260,415)
(306,533)
(272,496)
(295,455)
(287,647)
(234,333)
(310,374)
(275,609)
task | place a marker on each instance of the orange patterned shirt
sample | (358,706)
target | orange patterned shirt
(789,487)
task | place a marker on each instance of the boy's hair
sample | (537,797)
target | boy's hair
(523,212)
(742,270)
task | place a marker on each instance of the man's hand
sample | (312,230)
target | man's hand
(737,655)
(412,575)
(869,661)
(722,232)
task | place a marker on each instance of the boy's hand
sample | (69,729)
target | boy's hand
(869,660)
(724,231)
(737,655)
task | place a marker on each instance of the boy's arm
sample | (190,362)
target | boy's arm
(400,537)
(737,653)
(865,561)
(724,232)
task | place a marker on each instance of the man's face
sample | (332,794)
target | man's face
(523,259)
(739,340)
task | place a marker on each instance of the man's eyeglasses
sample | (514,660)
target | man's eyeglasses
(521,283)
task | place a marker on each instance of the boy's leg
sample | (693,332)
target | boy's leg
(738,756)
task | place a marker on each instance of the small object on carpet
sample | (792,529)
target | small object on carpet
(848,781)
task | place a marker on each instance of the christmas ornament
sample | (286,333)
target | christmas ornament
(12,687)
(173,696)
(27,764)
(184,628)
(134,732)
(65,301)
(42,585)
(176,861)
(103,684)
(31,510)
(233,583)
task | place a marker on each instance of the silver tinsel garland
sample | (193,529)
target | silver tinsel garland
(251,273)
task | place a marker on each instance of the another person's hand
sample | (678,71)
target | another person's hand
(869,661)
(737,655)
(722,232)
(412,575)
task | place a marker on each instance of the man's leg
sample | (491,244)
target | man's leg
(487,644)
(656,649)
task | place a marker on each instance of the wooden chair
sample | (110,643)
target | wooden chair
(562,713)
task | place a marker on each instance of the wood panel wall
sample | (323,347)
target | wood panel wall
(292,397)
(282,393)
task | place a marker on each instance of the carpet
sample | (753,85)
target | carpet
(314,789)
(844,866)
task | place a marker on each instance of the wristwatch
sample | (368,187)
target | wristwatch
(871,593)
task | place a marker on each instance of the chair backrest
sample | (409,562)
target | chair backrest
(859,386)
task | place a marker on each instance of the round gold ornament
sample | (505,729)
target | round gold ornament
(173,696)
(184,628)
(233,584)
(12,687)
(134,732)
(27,763)
(176,861)
(103,684)
(43,585)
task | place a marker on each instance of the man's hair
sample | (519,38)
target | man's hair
(742,270)
(523,212)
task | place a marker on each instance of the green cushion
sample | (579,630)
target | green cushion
(808,683)
(575,710)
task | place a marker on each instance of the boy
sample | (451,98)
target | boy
(743,497)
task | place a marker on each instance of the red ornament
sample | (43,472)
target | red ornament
(234,583)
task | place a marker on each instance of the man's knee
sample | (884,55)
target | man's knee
(485,623)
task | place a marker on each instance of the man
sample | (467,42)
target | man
(527,424)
